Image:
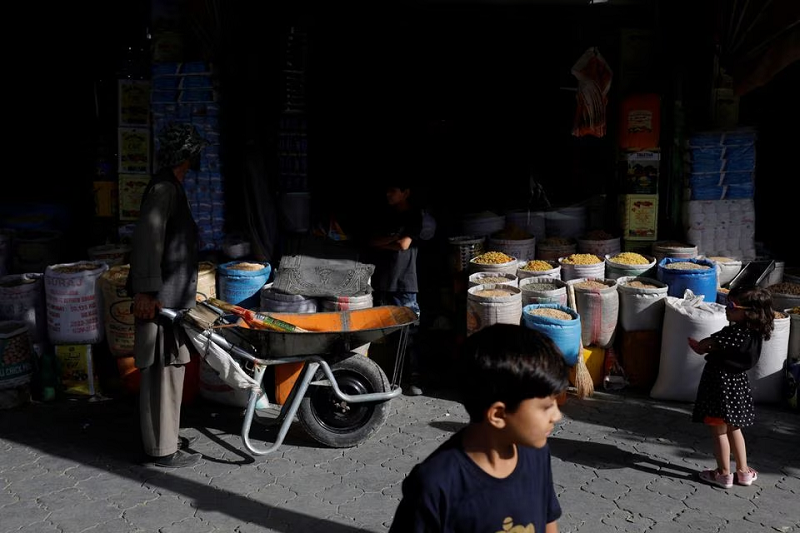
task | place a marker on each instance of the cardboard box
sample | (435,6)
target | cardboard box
(639,216)
(639,172)
(106,198)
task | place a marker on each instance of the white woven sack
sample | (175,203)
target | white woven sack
(74,302)
(484,311)
(641,309)
(679,366)
(599,311)
(222,379)
(766,378)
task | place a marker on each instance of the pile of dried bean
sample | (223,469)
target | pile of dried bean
(537,265)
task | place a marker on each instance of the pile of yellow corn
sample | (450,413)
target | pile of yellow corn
(795,310)
(537,265)
(492,258)
(629,258)
(581,259)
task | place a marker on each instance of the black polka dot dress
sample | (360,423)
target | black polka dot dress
(724,390)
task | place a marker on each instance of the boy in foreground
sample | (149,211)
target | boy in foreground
(494,474)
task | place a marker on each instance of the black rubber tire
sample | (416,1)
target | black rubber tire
(345,426)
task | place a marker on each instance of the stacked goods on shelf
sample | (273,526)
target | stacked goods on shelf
(185,93)
(638,170)
(133,140)
(293,187)
(719,215)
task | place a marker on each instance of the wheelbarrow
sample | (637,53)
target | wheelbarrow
(339,396)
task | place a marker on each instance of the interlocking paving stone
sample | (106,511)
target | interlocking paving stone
(164,510)
(621,463)
(80,517)
(340,494)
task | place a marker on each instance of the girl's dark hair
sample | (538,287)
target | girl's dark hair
(509,363)
(759,315)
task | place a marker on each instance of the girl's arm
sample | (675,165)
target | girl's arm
(551,527)
(703,346)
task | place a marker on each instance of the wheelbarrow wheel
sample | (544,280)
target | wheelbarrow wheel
(339,424)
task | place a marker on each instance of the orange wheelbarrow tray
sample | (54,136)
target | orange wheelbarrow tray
(337,395)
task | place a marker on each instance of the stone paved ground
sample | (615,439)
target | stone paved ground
(622,462)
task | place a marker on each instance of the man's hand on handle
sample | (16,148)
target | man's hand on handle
(145,306)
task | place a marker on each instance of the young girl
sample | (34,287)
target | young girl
(724,401)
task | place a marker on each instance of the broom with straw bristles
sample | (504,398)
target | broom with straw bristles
(584,384)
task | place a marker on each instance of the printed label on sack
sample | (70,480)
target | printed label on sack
(640,120)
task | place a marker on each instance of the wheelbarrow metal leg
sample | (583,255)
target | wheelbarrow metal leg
(299,391)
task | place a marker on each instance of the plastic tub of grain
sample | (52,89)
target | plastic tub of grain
(482,278)
(629,264)
(492,304)
(576,266)
(543,291)
(697,275)
(493,261)
(552,248)
(539,268)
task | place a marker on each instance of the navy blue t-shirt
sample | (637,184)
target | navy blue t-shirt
(449,493)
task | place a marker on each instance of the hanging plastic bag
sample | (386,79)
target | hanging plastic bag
(594,81)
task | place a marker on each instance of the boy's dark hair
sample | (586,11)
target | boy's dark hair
(509,363)
(759,315)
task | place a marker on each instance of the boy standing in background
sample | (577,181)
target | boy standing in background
(395,251)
